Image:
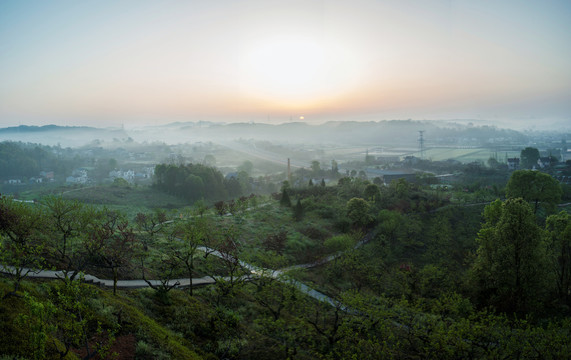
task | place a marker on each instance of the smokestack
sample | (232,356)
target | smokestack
(288,171)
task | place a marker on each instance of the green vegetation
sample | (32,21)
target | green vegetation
(365,271)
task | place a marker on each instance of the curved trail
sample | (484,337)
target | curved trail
(254,271)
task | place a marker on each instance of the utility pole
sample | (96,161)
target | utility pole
(421,143)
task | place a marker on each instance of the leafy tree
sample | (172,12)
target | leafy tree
(195,187)
(18,260)
(401,188)
(272,294)
(152,224)
(76,325)
(221,207)
(69,223)
(234,187)
(193,181)
(244,180)
(559,241)
(165,269)
(275,242)
(285,200)
(120,182)
(38,324)
(535,187)
(529,157)
(328,322)
(22,243)
(229,248)
(298,211)
(339,243)
(200,207)
(372,192)
(194,235)
(334,168)
(511,258)
(112,243)
(315,168)
(65,220)
(358,211)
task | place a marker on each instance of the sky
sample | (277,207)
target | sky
(105,63)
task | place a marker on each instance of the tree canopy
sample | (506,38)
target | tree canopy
(529,157)
(511,262)
(535,187)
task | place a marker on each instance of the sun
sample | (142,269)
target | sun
(296,69)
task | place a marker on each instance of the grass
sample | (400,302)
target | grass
(167,340)
(466,155)
(15,336)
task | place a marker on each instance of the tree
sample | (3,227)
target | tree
(275,242)
(76,324)
(112,243)
(193,235)
(315,167)
(244,180)
(273,294)
(229,250)
(358,211)
(559,241)
(200,207)
(529,157)
(65,220)
(334,168)
(234,187)
(69,222)
(298,211)
(285,200)
(120,182)
(511,257)
(21,240)
(165,269)
(194,187)
(401,187)
(221,207)
(535,187)
(372,192)
(152,224)
(328,322)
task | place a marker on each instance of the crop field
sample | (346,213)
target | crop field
(467,155)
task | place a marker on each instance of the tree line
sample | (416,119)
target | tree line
(196,181)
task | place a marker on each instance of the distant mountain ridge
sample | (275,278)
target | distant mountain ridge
(371,133)
(33,128)
(67,136)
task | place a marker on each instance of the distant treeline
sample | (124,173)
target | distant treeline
(196,181)
(19,160)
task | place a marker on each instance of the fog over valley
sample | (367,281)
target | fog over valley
(280,180)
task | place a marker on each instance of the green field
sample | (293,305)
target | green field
(467,155)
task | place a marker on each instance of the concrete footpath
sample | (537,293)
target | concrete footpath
(122,284)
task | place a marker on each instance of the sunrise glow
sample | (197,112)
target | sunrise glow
(254,60)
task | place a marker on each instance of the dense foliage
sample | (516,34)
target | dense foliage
(195,181)
(366,271)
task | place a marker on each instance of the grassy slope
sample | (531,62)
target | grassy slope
(135,320)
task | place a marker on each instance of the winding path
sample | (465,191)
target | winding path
(254,270)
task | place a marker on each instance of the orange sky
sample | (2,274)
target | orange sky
(98,63)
